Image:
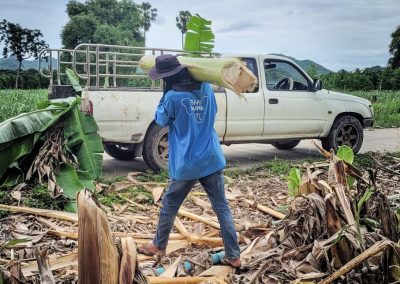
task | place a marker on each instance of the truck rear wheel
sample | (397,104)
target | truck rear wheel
(286,145)
(346,130)
(155,147)
(122,151)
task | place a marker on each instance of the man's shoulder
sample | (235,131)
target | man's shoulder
(173,95)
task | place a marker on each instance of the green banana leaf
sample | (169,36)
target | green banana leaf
(19,135)
(80,130)
(199,36)
(74,80)
(35,121)
(72,181)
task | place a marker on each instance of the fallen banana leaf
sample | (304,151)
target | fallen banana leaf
(72,217)
(200,202)
(187,214)
(58,263)
(376,248)
(157,193)
(180,227)
(128,264)
(72,181)
(267,210)
(340,191)
(132,202)
(20,134)
(19,138)
(136,236)
(185,280)
(171,270)
(80,130)
(207,241)
(220,271)
(195,239)
(45,274)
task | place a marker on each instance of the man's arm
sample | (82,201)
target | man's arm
(164,112)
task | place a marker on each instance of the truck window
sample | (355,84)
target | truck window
(251,63)
(283,76)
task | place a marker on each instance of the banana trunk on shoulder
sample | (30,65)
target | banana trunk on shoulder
(229,73)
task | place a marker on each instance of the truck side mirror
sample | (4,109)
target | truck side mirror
(317,85)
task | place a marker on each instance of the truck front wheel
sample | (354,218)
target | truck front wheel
(346,130)
(286,145)
(155,147)
(124,151)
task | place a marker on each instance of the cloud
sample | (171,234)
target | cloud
(238,26)
(338,34)
(160,20)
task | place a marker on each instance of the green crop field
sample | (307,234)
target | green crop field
(14,102)
(386,104)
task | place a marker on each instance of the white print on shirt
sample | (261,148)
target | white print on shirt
(195,108)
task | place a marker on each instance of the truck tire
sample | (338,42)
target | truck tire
(346,130)
(286,145)
(155,147)
(123,152)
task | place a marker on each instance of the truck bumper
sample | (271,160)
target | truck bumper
(368,122)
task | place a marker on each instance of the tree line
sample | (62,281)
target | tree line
(28,79)
(368,79)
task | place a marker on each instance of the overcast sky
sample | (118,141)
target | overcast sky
(335,33)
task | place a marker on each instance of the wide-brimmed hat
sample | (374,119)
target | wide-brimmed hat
(166,65)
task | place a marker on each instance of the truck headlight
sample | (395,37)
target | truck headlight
(371,110)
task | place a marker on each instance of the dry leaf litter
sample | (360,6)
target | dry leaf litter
(321,233)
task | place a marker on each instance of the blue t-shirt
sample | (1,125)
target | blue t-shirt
(194,148)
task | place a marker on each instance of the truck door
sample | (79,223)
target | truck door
(245,114)
(292,107)
(220,119)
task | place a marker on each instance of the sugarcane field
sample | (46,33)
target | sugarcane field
(187,142)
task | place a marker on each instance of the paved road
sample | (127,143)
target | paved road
(248,155)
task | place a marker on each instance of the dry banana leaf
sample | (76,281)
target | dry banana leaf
(376,248)
(128,263)
(41,212)
(186,280)
(56,263)
(46,276)
(98,256)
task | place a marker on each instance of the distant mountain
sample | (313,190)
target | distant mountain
(305,64)
(11,63)
(373,69)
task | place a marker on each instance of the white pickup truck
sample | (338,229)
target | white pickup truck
(286,107)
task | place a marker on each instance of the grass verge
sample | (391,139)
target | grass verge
(386,106)
(14,102)
(275,167)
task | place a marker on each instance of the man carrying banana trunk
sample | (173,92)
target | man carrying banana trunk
(189,108)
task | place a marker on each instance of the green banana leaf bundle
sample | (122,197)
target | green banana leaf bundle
(22,138)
